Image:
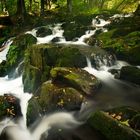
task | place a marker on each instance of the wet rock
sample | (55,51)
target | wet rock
(76,78)
(9,107)
(56,39)
(131,74)
(90,41)
(43,31)
(53,97)
(115,72)
(73,30)
(111,128)
(3,68)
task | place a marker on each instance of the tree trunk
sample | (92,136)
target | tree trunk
(42,8)
(21,10)
(69,5)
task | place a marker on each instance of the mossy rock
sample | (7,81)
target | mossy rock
(133,55)
(50,98)
(126,47)
(76,78)
(71,57)
(17,49)
(111,128)
(9,107)
(131,74)
(45,56)
(73,30)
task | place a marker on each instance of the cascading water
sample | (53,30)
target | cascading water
(18,130)
(114,91)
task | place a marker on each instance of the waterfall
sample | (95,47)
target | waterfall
(114,91)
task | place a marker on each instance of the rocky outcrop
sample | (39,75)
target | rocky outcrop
(131,74)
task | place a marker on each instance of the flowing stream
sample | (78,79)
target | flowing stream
(114,92)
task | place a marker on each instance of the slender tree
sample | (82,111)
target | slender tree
(21,10)
(69,5)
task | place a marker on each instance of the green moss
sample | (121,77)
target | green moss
(131,74)
(46,74)
(110,128)
(70,57)
(31,78)
(76,78)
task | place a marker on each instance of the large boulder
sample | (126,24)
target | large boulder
(52,97)
(111,128)
(17,50)
(9,106)
(45,56)
(76,78)
(131,74)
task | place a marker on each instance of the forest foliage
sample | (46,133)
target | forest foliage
(39,7)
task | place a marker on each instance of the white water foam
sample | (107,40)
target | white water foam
(4,52)
(15,88)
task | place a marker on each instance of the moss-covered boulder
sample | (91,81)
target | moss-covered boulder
(9,107)
(45,56)
(76,78)
(52,97)
(111,128)
(73,30)
(17,50)
(71,57)
(131,74)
